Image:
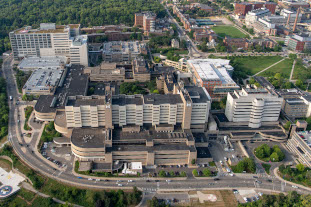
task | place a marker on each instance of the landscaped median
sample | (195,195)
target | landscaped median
(28,110)
(204,174)
(300,174)
(269,154)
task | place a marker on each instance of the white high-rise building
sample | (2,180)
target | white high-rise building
(50,40)
(253,107)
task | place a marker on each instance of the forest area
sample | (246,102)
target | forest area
(18,13)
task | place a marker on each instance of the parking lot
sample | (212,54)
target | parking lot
(245,196)
(61,156)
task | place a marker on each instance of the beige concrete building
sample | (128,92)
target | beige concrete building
(50,40)
(106,147)
(300,144)
(106,72)
(189,109)
(253,107)
(140,70)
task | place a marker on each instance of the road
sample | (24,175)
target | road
(66,176)
(193,51)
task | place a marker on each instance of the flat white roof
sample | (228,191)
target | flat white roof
(213,69)
(122,47)
(43,79)
(42,62)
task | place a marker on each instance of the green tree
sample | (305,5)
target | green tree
(287,125)
(193,161)
(300,167)
(162,173)
(274,157)
(292,56)
(195,172)
(288,85)
(207,172)
(299,83)
(183,174)
(252,80)
(156,91)
(172,173)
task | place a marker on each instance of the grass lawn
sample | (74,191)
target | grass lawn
(300,70)
(181,52)
(266,167)
(6,165)
(231,31)
(254,64)
(27,195)
(283,67)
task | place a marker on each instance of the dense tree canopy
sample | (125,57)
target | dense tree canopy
(17,13)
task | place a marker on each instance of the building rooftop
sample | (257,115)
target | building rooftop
(212,70)
(43,80)
(90,137)
(123,100)
(87,101)
(198,94)
(158,99)
(42,62)
(123,47)
(75,83)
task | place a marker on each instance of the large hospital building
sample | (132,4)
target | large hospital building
(50,40)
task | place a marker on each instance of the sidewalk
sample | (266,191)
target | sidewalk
(269,67)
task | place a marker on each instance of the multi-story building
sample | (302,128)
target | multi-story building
(43,82)
(180,65)
(300,144)
(122,51)
(188,109)
(146,20)
(252,16)
(214,75)
(245,7)
(253,107)
(106,72)
(149,147)
(50,40)
(141,71)
(299,42)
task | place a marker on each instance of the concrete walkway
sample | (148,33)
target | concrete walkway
(269,67)
(292,72)
(243,31)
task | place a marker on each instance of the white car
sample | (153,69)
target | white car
(231,174)
(294,186)
(120,185)
(245,199)
(260,193)
(130,181)
(90,179)
(97,179)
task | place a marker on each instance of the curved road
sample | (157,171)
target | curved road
(25,152)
